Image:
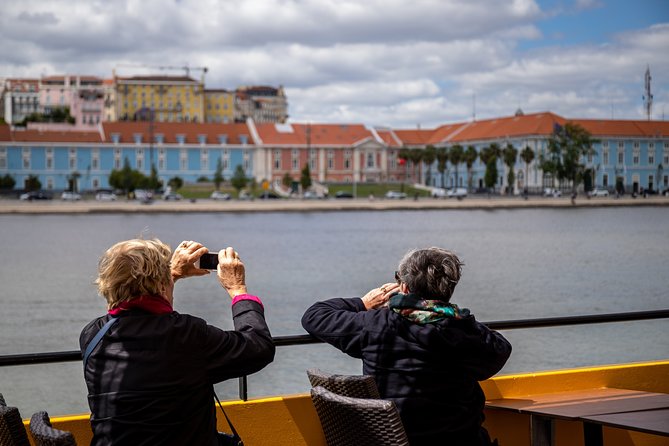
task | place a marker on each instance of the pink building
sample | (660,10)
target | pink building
(83,95)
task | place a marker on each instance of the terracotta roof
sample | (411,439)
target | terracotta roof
(55,136)
(157,78)
(320,134)
(389,138)
(415,137)
(170,130)
(619,128)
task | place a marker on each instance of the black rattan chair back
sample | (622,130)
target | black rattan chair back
(358,421)
(45,435)
(12,430)
(355,386)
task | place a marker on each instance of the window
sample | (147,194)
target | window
(621,156)
(636,154)
(222,139)
(202,139)
(181,139)
(665,157)
(204,158)
(277,159)
(605,156)
(330,159)
(370,159)
(160,138)
(312,159)
(295,158)
(116,138)
(26,158)
(637,145)
(243,139)
(247,160)
(651,153)
(183,159)
(605,180)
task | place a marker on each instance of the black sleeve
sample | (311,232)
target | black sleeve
(484,351)
(247,349)
(338,322)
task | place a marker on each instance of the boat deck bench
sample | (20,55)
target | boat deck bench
(628,409)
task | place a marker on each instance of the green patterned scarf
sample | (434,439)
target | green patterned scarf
(424,311)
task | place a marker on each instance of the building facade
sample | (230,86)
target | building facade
(83,96)
(160,98)
(219,106)
(261,103)
(628,154)
(20,98)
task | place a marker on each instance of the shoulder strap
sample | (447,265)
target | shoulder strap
(98,337)
(238,439)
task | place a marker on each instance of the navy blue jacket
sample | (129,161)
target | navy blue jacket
(150,380)
(430,371)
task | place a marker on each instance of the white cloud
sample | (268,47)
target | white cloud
(378,61)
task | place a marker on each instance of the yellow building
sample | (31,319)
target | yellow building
(219,106)
(170,98)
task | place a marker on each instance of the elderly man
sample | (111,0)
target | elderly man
(426,354)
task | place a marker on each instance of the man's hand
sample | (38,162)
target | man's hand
(378,297)
(183,260)
(231,272)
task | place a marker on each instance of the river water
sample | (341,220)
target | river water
(518,264)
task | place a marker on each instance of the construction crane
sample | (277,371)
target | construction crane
(186,68)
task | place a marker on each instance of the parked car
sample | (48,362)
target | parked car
(70,196)
(267,195)
(172,196)
(218,195)
(143,195)
(312,195)
(105,195)
(598,192)
(438,192)
(342,194)
(36,195)
(457,192)
(552,192)
(393,194)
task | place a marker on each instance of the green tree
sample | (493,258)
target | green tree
(429,155)
(218,174)
(287,180)
(567,148)
(491,173)
(7,182)
(33,183)
(124,178)
(456,155)
(510,156)
(153,182)
(469,158)
(175,183)
(442,160)
(489,156)
(305,178)
(239,180)
(527,155)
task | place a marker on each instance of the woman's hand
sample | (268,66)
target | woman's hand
(378,297)
(231,272)
(183,260)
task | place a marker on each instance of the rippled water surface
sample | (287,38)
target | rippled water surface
(518,264)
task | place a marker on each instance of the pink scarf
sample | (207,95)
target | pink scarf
(151,303)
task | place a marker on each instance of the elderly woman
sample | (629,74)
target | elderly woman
(150,373)
(426,354)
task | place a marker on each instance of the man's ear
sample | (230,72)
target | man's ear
(404,289)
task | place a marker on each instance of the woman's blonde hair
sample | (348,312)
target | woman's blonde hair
(133,268)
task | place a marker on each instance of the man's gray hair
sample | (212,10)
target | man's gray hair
(431,273)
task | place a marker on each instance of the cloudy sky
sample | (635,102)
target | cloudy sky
(396,63)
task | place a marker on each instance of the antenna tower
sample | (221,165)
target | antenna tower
(648,96)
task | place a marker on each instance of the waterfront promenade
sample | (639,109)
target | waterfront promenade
(13,206)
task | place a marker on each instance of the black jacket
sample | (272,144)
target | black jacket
(431,371)
(150,380)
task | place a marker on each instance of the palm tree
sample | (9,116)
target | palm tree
(527,155)
(510,154)
(429,155)
(456,156)
(469,158)
(442,159)
(489,156)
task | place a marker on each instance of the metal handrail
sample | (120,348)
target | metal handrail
(290,340)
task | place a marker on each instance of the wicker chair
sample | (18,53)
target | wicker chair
(354,386)
(45,435)
(12,430)
(358,421)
